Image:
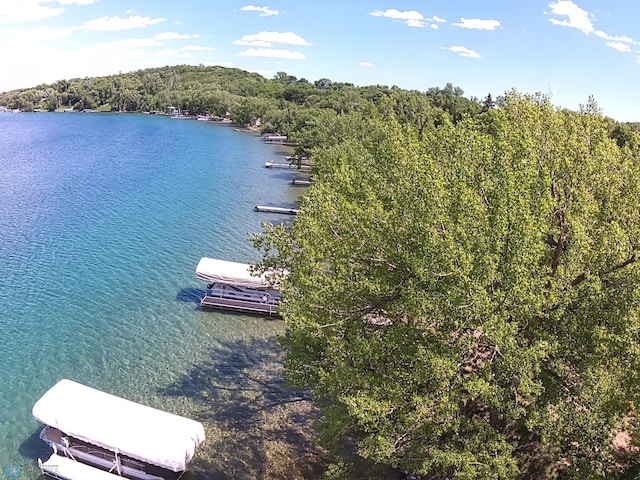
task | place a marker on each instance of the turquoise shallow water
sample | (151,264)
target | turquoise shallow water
(103,218)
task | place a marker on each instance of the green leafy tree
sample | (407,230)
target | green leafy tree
(248,109)
(284,78)
(465,305)
(412,108)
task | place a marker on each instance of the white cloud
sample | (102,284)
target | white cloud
(175,36)
(173,53)
(37,35)
(478,24)
(436,19)
(434,26)
(272,53)
(577,17)
(580,19)
(464,51)
(601,34)
(254,43)
(366,64)
(268,39)
(20,11)
(12,11)
(621,47)
(411,17)
(129,43)
(117,23)
(265,11)
(35,60)
(76,2)
(198,48)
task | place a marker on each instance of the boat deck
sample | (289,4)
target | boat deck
(64,468)
(102,459)
(209,301)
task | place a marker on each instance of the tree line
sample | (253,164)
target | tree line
(284,104)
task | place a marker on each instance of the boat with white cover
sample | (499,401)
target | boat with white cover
(233,286)
(94,434)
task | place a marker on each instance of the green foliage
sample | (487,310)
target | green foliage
(199,89)
(284,104)
(463,298)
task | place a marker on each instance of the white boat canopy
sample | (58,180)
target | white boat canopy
(122,426)
(230,273)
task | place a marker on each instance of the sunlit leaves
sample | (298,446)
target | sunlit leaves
(464,297)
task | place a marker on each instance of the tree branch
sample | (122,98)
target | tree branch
(580,278)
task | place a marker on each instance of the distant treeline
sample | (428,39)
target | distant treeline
(284,104)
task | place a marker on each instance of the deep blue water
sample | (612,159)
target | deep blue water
(103,218)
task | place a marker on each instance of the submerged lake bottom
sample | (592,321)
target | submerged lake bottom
(103,219)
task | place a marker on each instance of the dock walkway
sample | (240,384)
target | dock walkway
(268,209)
(287,165)
(298,181)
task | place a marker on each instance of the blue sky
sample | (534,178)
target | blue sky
(567,49)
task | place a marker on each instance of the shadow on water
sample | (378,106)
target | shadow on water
(281,220)
(282,153)
(256,427)
(287,174)
(191,295)
(32,449)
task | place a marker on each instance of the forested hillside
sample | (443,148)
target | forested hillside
(218,91)
(284,104)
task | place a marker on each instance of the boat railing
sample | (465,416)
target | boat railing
(259,296)
(107,460)
(104,459)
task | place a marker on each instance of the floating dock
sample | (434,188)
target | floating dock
(274,138)
(268,209)
(287,165)
(297,181)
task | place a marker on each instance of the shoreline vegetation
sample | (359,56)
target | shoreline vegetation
(464,292)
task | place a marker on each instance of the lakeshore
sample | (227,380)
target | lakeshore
(99,242)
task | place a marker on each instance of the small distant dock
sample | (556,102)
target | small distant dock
(287,165)
(271,138)
(268,209)
(298,181)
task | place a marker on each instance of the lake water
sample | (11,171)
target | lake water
(103,218)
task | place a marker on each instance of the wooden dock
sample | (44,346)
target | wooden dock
(268,209)
(268,308)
